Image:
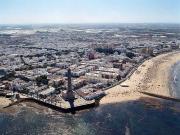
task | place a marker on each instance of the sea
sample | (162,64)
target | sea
(175,80)
(145,116)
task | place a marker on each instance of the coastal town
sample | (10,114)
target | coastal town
(89,67)
(57,64)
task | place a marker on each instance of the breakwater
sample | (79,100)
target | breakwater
(55,107)
(161,96)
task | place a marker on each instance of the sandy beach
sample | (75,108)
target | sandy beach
(151,76)
(4,102)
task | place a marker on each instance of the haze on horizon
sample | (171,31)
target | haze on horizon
(89,11)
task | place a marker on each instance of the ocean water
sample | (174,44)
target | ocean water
(129,118)
(175,80)
(145,116)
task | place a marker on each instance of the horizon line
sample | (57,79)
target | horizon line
(74,23)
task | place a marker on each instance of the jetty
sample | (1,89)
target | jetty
(161,96)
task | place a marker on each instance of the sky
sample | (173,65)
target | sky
(89,11)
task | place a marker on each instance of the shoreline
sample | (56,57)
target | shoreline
(174,91)
(152,76)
